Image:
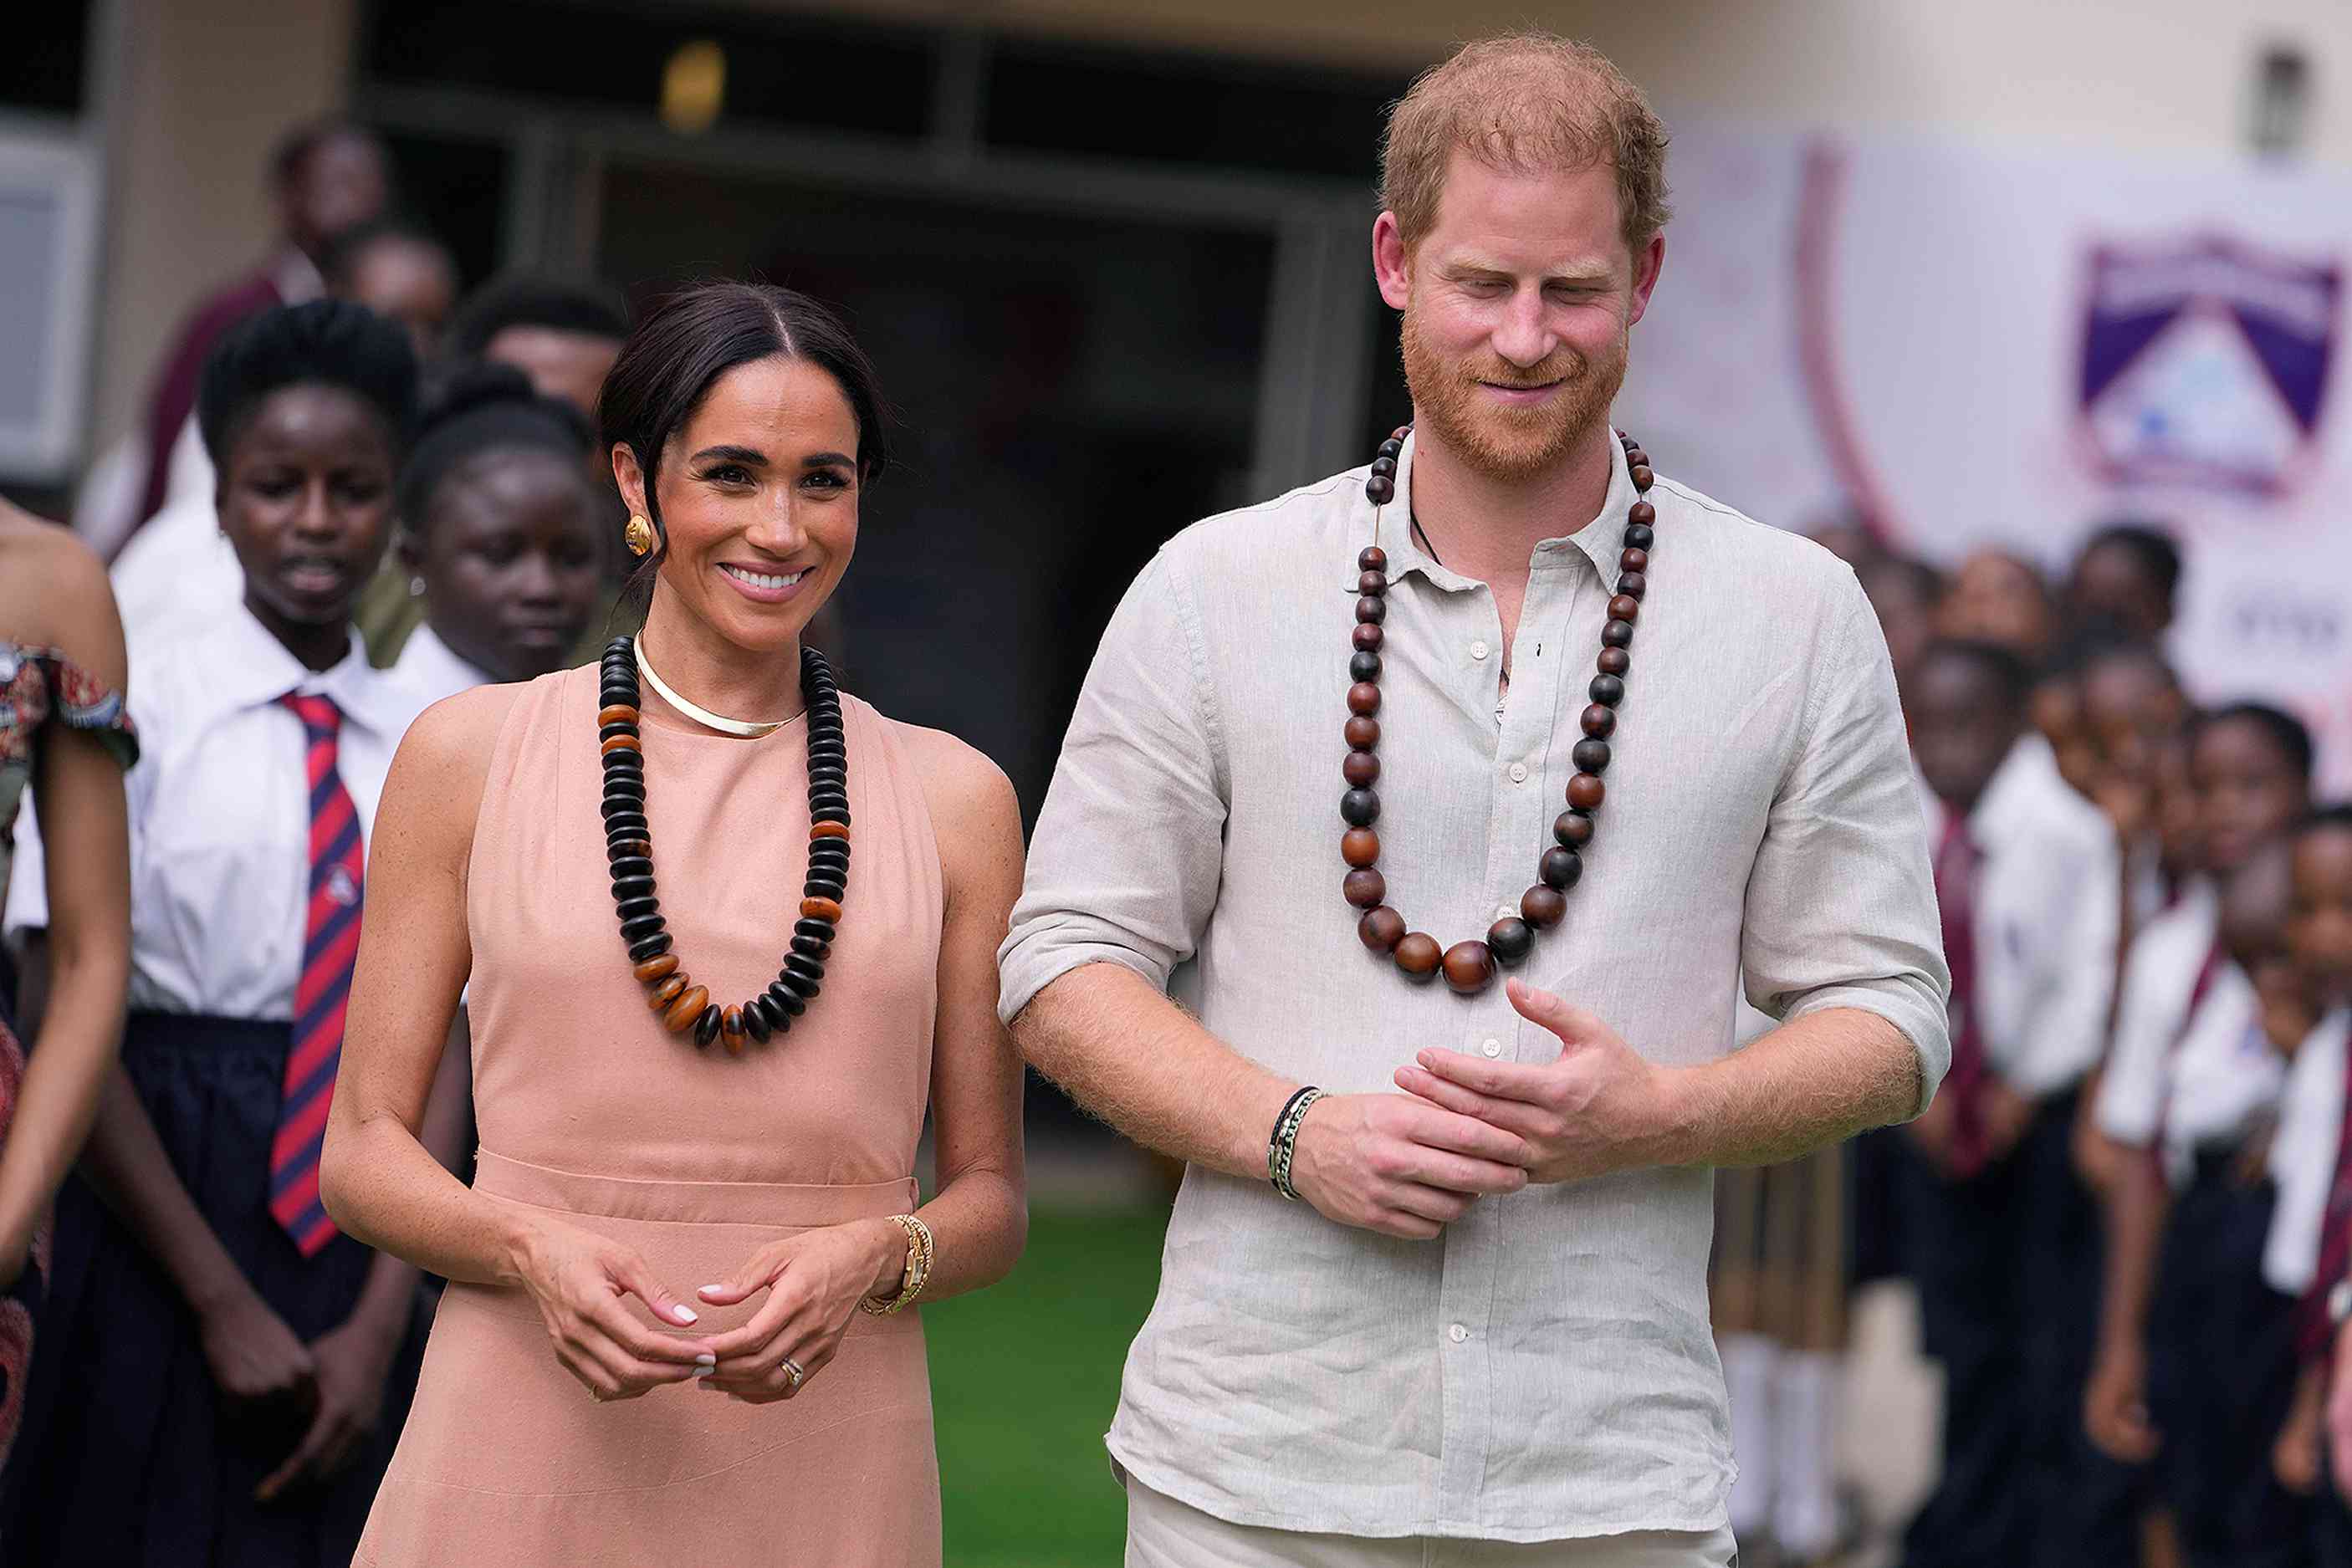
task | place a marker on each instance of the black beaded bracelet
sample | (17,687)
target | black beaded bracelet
(1283,1145)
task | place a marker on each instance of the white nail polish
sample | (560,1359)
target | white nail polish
(706,1359)
(702,1372)
(686,1315)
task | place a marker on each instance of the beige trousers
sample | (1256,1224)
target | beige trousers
(1164,1534)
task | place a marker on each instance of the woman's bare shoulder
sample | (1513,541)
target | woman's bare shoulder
(54,593)
(961,782)
(975,813)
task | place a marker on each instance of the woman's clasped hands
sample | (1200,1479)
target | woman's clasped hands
(580,1280)
(813,1282)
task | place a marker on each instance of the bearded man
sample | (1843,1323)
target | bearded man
(1482,1337)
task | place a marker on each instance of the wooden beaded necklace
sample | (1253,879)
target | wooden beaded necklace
(1470,966)
(628,848)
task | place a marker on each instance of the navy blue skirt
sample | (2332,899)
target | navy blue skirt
(2222,1375)
(128,1457)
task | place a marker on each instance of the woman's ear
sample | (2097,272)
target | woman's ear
(630,478)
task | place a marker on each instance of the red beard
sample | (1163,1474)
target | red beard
(1509,444)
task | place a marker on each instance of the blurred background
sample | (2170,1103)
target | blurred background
(1946,276)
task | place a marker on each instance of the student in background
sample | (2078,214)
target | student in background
(2005,1240)
(180,569)
(1993,596)
(2127,575)
(2311,1230)
(563,335)
(230,1369)
(400,272)
(324,177)
(2196,1368)
(500,534)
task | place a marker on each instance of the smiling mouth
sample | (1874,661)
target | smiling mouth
(1523,386)
(767,580)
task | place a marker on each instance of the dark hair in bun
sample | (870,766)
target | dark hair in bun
(327,342)
(484,407)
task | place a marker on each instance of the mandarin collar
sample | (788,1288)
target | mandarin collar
(1599,539)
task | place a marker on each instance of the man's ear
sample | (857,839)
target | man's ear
(1392,262)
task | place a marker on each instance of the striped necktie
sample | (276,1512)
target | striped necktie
(331,940)
(1956,864)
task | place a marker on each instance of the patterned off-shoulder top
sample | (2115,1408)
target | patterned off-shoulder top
(39,686)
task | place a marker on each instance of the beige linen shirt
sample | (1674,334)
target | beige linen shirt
(1544,1369)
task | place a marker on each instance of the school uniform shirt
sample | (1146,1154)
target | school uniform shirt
(2049,907)
(2302,1154)
(177,575)
(220,814)
(2202,1080)
(431,670)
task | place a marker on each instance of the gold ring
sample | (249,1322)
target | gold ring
(791,1370)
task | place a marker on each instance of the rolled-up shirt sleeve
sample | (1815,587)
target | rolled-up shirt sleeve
(1841,904)
(1125,863)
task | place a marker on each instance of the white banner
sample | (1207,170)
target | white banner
(1985,346)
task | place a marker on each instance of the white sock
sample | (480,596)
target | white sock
(1804,1508)
(1749,1361)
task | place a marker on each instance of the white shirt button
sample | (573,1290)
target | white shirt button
(1458,1334)
(1507,911)
(1518,772)
(1479,649)
(1492,1048)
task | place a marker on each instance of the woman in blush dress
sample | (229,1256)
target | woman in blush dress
(675,1322)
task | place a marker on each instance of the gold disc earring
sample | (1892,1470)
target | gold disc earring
(640,536)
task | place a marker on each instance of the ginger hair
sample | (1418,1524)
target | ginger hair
(1525,102)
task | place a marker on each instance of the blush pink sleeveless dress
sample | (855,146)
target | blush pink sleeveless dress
(590,1111)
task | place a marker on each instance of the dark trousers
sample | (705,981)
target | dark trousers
(2331,1523)
(2222,1374)
(2007,1265)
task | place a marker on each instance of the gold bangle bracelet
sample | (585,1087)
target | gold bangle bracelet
(919,1256)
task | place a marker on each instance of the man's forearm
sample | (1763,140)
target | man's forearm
(1815,1081)
(1124,1051)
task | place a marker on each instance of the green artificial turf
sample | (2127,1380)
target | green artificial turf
(1025,1376)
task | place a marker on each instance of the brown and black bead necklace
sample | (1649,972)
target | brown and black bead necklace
(628,848)
(1470,966)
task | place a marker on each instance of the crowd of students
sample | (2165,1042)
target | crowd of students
(369,504)
(2125,1211)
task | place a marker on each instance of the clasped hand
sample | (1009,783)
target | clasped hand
(813,1282)
(334,1384)
(1465,1127)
